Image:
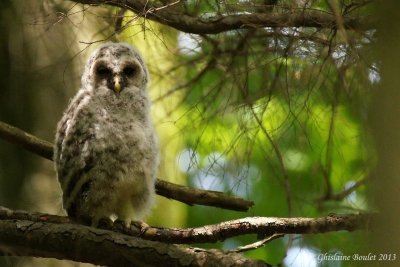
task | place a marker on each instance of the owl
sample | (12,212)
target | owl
(106,151)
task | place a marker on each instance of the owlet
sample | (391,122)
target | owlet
(106,151)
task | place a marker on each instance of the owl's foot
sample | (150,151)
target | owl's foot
(137,226)
(103,223)
(142,226)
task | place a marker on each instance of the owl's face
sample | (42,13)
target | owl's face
(115,69)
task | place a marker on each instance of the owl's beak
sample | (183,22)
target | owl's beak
(117,85)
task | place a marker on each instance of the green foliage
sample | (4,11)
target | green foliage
(281,122)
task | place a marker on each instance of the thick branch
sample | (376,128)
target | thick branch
(102,247)
(222,23)
(261,226)
(186,195)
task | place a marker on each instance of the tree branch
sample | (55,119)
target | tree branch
(190,196)
(196,196)
(261,226)
(339,196)
(26,141)
(221,23)
(85,244)
(257,244)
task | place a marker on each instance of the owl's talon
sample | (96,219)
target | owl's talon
(141,226)
(103,223)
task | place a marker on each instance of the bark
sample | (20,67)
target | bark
(103,247)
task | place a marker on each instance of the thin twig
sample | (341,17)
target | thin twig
(257,244)
(280,160)
(339,196)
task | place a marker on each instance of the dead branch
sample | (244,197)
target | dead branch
(261,226)
(220,23)
(190,196)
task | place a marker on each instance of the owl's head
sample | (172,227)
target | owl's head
(115,67)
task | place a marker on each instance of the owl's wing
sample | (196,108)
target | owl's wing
(64,124)
(71,154)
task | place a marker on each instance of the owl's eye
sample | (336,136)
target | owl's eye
(103,71)
(129,71)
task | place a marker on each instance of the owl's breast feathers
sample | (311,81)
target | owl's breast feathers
(99,150)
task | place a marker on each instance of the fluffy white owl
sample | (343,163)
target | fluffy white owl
(106,151)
